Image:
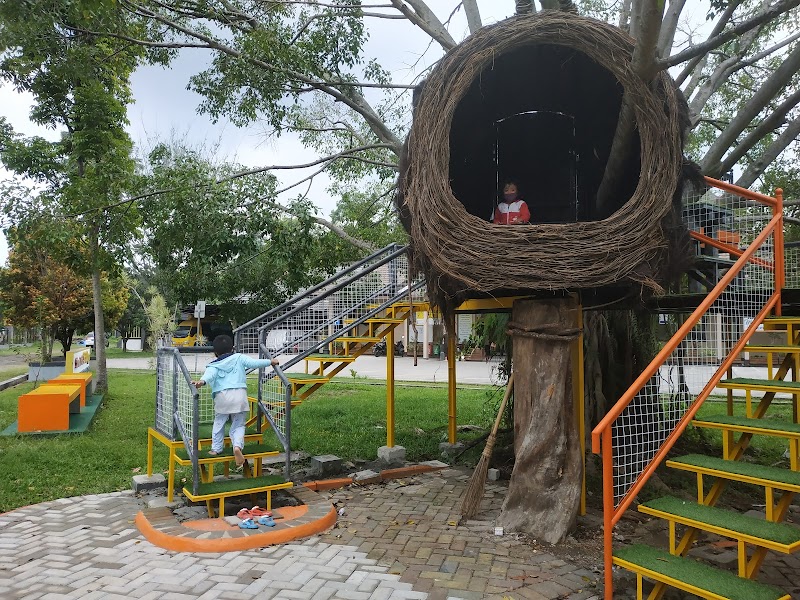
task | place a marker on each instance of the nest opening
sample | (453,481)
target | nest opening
(543,115)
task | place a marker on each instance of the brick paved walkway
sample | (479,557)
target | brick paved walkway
(397,540)
(88,548)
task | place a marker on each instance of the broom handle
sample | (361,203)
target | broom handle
(509,387)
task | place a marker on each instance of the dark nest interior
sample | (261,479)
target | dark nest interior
(543,116)
(536,99)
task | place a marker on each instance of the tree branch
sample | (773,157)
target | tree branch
(766,126)
(715,42)
(668,27)
(473,14)
(720,25)
(423,17)
(761,98)
(756,168)
(643,63)
(351,98)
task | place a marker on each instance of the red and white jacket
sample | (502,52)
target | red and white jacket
(511,213)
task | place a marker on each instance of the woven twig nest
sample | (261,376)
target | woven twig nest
(463,254)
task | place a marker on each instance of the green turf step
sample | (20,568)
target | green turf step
(245,485)
(696,575)
(251,450)
(731,522)
(737,382)
(738,468)
(776,425)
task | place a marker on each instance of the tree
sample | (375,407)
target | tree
(79,83)
(277,63)
(220,235)
(39,291)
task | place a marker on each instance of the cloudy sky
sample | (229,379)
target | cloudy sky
(165,109)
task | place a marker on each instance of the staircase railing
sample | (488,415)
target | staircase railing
(640,429)
(247,336)
(178,405)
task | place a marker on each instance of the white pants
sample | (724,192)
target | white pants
(236,432)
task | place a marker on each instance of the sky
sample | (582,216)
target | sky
(164,109)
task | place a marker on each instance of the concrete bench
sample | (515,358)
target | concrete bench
(83,379)
(47,408)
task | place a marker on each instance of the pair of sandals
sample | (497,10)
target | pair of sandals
(251,516)
(238,456)
(249,523)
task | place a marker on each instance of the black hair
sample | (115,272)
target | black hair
(512,181)
(223,344)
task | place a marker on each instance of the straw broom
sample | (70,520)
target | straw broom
(472,498)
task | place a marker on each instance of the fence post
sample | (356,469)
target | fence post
(780,266)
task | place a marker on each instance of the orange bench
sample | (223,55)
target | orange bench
(82,379)
(47,408)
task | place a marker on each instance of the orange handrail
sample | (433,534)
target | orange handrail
(684,329)
(601,435)
(701,237)
(749,194)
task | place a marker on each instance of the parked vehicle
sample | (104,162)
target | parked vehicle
(88,339)
(379,349)
(187,333)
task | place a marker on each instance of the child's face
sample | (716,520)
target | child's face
(510,188)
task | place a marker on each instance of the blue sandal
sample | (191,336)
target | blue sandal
(248,524)
(268,521)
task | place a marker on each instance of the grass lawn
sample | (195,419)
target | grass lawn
(347,419)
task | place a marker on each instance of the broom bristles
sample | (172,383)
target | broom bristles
(477,483)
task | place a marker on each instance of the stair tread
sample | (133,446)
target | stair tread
(204,432)
(771,424)
(357,338)
(777,348)
(306,377)
(780,533)
(777,383)
(698,575)
(227,452)
(733,467)
(339,357)
(782,320)
(229,486)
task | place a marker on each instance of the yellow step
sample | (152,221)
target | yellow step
(357,339)
(779,537)
(330,358)
(767,349)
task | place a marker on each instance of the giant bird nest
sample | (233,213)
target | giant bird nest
(550,61)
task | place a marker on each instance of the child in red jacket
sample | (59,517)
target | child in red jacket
(512,210)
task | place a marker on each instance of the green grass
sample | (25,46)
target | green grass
(346,419)
(12,371)
(102,460)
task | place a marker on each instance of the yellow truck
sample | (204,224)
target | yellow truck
(188,334)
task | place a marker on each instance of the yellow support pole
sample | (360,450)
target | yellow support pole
(578,399)
(451,379)
(390,388)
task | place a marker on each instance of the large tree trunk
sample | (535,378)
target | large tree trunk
(101,385)
(545,489)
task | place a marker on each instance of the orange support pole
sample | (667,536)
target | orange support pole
(780,266)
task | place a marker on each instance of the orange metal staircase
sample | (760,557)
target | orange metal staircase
(639,431)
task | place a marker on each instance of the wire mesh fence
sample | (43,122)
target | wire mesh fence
(728,225)
(302,323)
(792,261)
